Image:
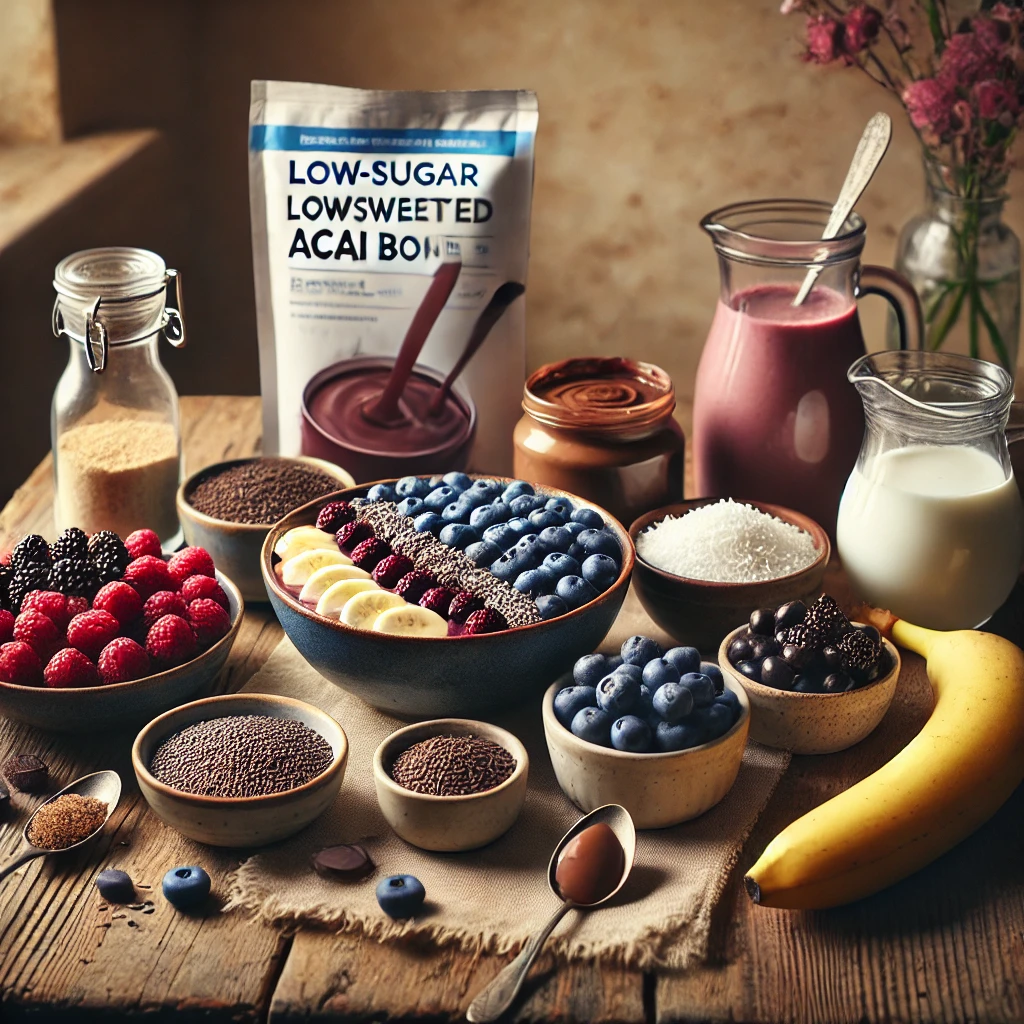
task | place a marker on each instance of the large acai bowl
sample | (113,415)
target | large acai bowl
(443,676)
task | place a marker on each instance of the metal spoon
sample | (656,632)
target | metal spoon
(870,150)
(105,786)
(499,995)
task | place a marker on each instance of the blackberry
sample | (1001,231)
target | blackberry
(807,636)
(827,618)
(109,555)
(861,654)
(74,577)
(31,548)
(72,543)
(26,577)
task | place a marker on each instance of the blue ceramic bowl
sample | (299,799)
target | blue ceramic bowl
(458,677)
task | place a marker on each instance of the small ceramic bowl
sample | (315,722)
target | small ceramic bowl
(449,824)
(236,546)
(813,723)
(240,821)
(699,613)
(658,790)
(90,709)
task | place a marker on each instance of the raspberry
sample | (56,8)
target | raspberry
(69,669)
(352,534)
(388,571)
(148,574)
(334,515)
(52,604)
(413,585)
(209,621)
(170,641)
(463,605)
(486,620)
(438,599)
(368,553)
(143,542)
(38,631)
(163,602)
(196,587)
(77,605)
(6,625)
(19,664)
(123,659)
(121,600)
(190,562)
(91,631)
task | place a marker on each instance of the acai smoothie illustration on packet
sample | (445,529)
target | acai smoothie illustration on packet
(390,245)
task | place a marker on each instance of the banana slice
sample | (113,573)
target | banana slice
(296,571)
(301,538)
(336,596)
(362,610)
(317,584)
(412,620)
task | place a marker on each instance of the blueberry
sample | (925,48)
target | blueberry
(401,896)
(572,699)
(730,700)
(525,504)
(599,542)
(556,538)
(739,650)
(789,614)
(413,487)
(750,668)
(550,606)
(778,673)
(702,688)
(714,673)
(575,591)
(801,657)
(762,622)
(520,526)
(631,734)
(501,536)
(575,529)
(428,522)
(559,564)
(763,646)
(505,568)
(658,672)
(618,694)
(515,490)
(486,516)
(381,492)
(589,518)
(186,887)
(806,684)
(715,720)
(645,705)
(542,518)
(837,682)
(457,535)
(593,725)
(677,736)
(454,512)
(485,488)
(600,570)
(459,481)
(673,701)
(535,582)
(638,650)
(436,480)
(685,659)
(439,497)
(562,507)
(483,553)
(590,670)
(116,886)
(411,507)
(633,672)
(530,547)
(614,662)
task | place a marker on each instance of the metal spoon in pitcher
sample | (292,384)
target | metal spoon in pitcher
(870,150)
(499,995)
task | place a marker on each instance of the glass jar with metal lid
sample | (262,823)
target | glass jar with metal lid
(114,421)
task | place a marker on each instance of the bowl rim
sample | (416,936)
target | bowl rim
(212,522)
(550,720)
(143,774)
(226,640)
(508,740)
(275,590)
(763,690)
(819,536)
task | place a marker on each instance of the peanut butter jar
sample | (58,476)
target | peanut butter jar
(602,428)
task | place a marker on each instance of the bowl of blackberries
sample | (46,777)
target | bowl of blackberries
(817,682)
(658,731)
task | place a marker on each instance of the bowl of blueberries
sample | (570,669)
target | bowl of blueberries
(816,681)
(658,731)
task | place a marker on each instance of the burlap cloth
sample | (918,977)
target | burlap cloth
(491,900)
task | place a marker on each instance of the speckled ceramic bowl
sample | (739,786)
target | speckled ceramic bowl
(658,790)
(240,821)
(449,824)
(457,677)
(236,547)
(699,613)
(90,709)
(813,723)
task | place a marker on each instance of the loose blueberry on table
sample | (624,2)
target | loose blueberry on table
(186,888)
(401,896)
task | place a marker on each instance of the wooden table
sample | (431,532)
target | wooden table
(946,945)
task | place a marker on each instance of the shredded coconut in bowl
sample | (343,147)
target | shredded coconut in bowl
(726,542)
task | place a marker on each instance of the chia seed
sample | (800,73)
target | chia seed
(241,756)
(453,766)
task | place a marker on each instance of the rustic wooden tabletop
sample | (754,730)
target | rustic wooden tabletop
(946,945)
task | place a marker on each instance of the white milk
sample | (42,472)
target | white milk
(933,533)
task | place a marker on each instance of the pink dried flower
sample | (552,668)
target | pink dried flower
(823,39)
(996,101)
(971,56)
(860,28)
(929,102)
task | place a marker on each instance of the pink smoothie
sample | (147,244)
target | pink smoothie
(775,418)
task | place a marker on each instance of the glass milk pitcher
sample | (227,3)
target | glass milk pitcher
(930,523)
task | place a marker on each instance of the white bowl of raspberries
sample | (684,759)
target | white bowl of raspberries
(97,632)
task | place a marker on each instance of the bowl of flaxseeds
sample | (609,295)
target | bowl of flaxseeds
(451,784)
(229,507)
(240,770)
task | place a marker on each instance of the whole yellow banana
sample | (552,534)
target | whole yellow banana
(950,779)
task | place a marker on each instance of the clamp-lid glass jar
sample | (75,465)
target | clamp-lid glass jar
(602,428)
(114,420)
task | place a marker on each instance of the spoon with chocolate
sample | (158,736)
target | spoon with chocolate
(589,866)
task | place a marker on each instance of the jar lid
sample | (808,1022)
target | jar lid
(115,272)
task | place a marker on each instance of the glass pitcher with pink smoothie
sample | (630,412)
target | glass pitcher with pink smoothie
(775,417)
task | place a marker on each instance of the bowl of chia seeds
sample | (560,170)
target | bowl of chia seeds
(229,507)
(451,784)
(240,770)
